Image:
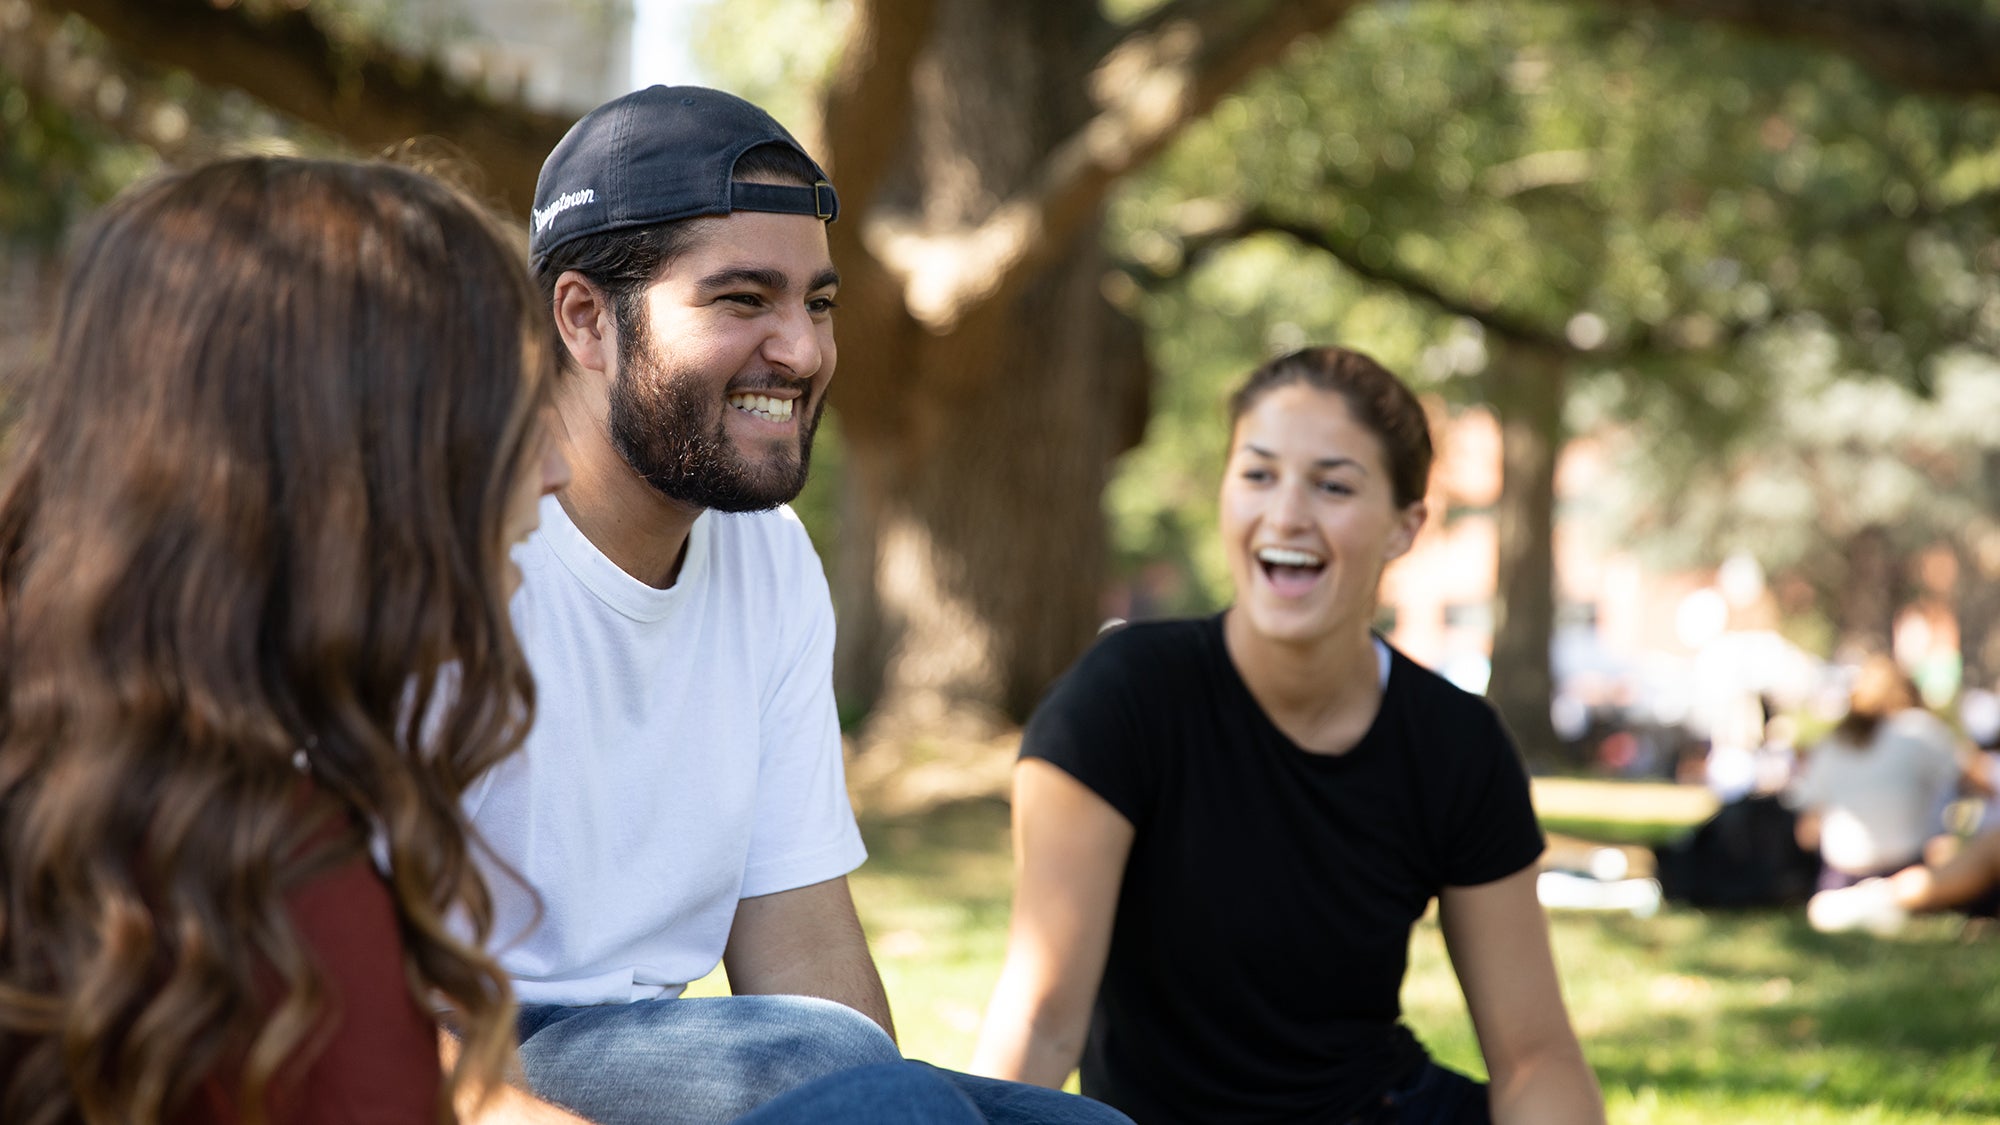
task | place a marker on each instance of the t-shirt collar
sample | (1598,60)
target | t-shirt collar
(608,580)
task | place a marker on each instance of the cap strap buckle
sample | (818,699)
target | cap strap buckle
(819,200)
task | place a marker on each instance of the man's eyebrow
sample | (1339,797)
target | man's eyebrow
(763,278)
(742,275)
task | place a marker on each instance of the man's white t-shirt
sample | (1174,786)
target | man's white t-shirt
(685,754)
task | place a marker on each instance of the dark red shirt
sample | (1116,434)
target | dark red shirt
(377,1064)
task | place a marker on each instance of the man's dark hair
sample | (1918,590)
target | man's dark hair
(623,263)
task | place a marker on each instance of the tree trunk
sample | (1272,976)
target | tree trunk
(1978,596)
(27,288)
(1865,611)
(1526,387)
(989,546)
(974,547)
(1978,608)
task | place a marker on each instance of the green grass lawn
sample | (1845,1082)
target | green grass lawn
(1687,1017)
(1608,830)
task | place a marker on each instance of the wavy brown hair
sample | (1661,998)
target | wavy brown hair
(253,509)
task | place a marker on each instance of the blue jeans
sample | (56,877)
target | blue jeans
(714,1059)
(1434,1095)
(898,1093)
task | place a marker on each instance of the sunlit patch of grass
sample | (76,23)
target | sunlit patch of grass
(1637,813)
(934,898)
(1603,830)
(1690,1017)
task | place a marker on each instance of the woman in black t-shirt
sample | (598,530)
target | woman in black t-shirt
(1225,828)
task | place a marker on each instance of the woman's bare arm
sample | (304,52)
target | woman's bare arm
(1070,848)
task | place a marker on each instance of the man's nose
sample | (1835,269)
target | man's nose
(794,345)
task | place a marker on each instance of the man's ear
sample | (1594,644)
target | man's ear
(586,322)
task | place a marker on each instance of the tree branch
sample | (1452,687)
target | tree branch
(364,92)
(1684,338)
(1977,204)
(56,68)
(1169,70)
(1501,322)
(870,97)
(1933,47)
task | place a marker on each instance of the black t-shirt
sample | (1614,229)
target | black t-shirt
(1263,925)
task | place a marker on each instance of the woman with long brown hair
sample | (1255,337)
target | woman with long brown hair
(254,534)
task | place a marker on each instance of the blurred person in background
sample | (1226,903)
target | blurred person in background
(1957,873)
(1979,772)
(1969,881)
(1867,796)
(1225,828)
(1736,736)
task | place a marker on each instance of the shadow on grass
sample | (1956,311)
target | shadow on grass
(955,853)
(932,842)
(1749,1081)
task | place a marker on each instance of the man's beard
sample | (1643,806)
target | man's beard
(658,424)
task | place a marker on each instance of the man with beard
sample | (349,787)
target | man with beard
(681,799)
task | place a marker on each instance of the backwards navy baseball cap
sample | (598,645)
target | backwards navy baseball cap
(661,154)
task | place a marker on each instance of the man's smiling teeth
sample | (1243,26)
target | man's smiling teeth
(1280,556)
(769,409)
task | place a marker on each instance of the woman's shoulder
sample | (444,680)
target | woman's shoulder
(1429,696)
(1150,647)
(1162,635)
(1131,668)
(376,1059)
(1453,731)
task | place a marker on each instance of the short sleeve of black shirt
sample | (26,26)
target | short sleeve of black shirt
(1097,721)
(1490,823)
(1262,928)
